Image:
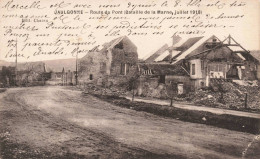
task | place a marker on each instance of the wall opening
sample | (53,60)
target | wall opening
(192,69)
(162,79)
(90,77)
(180,88)
(119,45)
(124,69)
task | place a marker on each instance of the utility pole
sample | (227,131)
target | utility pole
(16,62)
(76,76)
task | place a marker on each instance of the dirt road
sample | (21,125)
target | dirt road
(53,122)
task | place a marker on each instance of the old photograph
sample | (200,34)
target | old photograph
(129,79)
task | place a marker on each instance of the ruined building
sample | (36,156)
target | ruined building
(25,74)
(196,62)
(115,63)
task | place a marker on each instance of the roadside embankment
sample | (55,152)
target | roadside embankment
(2,90)
(227,121)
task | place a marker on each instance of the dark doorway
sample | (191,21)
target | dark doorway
(162,79)
(233,72)
(90,77)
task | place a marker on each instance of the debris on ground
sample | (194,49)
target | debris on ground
(94,89)
(236,95)
(229,95)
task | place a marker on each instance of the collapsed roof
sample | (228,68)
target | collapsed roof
(209,47)
(113,43)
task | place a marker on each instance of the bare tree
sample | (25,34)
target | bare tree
(171,92)
(133,82)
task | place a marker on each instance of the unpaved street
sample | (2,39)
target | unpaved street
(64,123)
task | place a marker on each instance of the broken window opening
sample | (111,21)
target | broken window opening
(119,46)
(193,69)
(124,68)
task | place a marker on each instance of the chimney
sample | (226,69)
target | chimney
(175,39)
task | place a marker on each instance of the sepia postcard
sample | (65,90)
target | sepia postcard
(129,79)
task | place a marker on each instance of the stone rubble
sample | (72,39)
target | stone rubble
(228,95)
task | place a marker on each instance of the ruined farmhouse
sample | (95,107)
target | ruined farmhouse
(197,62)
(115,63)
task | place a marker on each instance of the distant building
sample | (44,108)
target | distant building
(7,76)
(26,74)
(115,63)
(62,78)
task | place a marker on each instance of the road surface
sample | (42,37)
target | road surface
(61,121)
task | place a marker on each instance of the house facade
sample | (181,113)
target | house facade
(115,63)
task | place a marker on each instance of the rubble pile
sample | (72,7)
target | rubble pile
(253,95)
(156,92)
(206,97)
(98,90)
(220,94)
(229,95)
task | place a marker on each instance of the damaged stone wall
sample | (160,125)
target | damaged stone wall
(121,57)
(250,72)
(92,67)
(188,84)
(124,62)
(150,87)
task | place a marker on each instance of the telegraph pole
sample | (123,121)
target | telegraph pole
(76,76)
(16,62)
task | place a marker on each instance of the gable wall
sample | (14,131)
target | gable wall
(92,65)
